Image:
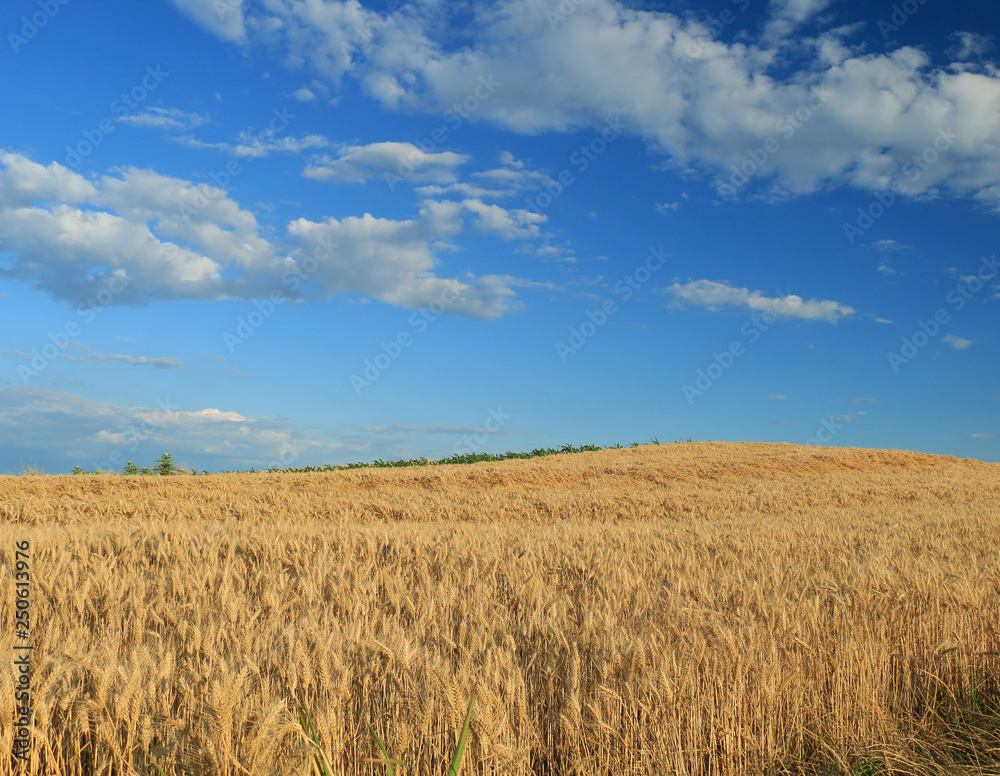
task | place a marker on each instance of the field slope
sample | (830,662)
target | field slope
(697,608)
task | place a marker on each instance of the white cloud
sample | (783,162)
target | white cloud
(400,161)
(886,247)
(777,396)
(393,261)
(24,182)
(223,18)
(98,357)
(304,94)
(889,246)
(73,254)
(251,145)
(506,224)
(786,15)
(214,414)
(548,252)
(498,183)
(111,434)
(699,102)
(202,216)
(982,436)
(164,118)
(958,342)
(713,295)
(159,237)
(969,45)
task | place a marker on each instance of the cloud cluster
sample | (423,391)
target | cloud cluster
(76,430)
(701,102)
(170,238)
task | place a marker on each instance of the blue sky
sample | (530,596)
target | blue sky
(296,232)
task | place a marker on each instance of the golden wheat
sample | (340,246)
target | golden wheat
(699,609)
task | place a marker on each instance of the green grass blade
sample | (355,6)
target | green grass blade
(153,761)
(309,728)
(456,763)
(387,761)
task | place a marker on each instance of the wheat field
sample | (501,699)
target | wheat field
(691,609)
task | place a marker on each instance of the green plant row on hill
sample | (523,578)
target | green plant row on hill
(165,464)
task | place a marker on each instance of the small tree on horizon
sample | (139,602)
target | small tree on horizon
(165,465)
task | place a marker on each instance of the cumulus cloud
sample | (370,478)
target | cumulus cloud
(843,117)
(392,261)
(24,182)
(506,224)
(148,236)
(714,295)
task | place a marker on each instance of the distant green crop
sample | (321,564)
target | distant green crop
(165,464)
